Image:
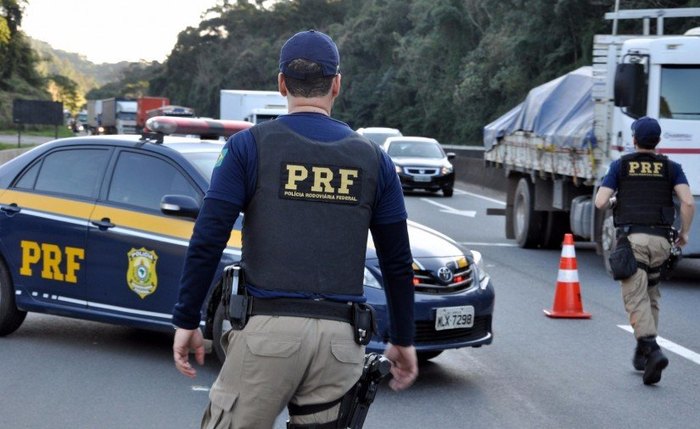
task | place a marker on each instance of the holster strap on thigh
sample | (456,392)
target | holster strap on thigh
(648,269)
(303,410)
(327,425)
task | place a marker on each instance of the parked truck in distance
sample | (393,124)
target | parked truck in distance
(251,106)
(119,116)
(143,105)
(94,117)
(556,146)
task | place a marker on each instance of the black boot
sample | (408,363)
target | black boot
(639,361)
(656,361)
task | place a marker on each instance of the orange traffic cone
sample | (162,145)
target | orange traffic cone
(567,297)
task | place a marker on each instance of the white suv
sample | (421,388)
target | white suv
(379,134)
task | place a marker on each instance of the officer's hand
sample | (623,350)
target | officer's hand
(404,368)
(186,340)
(683,239)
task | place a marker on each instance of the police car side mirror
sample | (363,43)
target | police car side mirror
(179,205)
(451,155)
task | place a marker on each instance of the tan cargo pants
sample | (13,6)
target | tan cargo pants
(642,301)
(278,359)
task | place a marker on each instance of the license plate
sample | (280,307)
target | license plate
(422,178)
(454,317)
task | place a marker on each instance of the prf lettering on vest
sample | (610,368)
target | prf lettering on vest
(51,256)
(321,183)
(645,168)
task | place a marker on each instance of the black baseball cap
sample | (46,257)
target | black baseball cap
(311,46)
(645,128)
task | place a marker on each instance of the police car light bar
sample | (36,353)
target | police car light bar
(196,126)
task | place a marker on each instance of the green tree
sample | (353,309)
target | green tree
(16,57)
(65,90)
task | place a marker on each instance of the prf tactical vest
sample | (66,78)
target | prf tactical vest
(305,228)
(645,191)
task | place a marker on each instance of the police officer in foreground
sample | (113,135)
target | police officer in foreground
(644,211)
(311,189)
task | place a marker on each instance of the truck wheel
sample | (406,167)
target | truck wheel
(527,222)
(607,238)
(557,225)
(221,327)
(11,317)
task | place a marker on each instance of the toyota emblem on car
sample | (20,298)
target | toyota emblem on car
(445,274)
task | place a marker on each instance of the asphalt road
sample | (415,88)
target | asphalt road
(538,373)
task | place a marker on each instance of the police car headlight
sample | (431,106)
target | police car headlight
(398,169)
(481,273)
(371,280)
(446,170)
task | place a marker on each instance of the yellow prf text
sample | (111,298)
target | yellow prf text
(50,256)
(322,178)
(645,168)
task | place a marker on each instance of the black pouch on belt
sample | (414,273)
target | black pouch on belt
(622,262)
(234,298)
(363,323)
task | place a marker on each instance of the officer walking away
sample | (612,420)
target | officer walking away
(644,210)
(311,189)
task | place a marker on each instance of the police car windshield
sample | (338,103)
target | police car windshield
(202,161)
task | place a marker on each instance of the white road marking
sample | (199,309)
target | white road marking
(670,346)
(200,389)
(471,194)
(451,210)
(473,243)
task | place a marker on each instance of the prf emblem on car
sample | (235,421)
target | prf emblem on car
(141,275)
(324,183)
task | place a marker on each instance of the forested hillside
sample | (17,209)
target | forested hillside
(440,68)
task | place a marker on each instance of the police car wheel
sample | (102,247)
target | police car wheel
(221,326)
(426,356)
(11,317)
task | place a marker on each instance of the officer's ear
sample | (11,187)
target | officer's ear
(335,86)
(281,84)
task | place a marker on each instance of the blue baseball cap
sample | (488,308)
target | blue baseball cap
(645,128)
(311,46)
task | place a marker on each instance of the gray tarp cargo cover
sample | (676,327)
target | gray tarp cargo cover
(559,111)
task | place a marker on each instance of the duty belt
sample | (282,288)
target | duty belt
(659,230)
(316,309)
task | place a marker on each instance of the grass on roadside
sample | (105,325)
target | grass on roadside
(5,145)
(7,142)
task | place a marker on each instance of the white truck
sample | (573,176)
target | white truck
(556,146)
(119,116)
(94,117)
(251,106)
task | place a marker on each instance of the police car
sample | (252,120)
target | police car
(97,228)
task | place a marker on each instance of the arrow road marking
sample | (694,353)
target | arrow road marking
(670,346)
(451,210)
